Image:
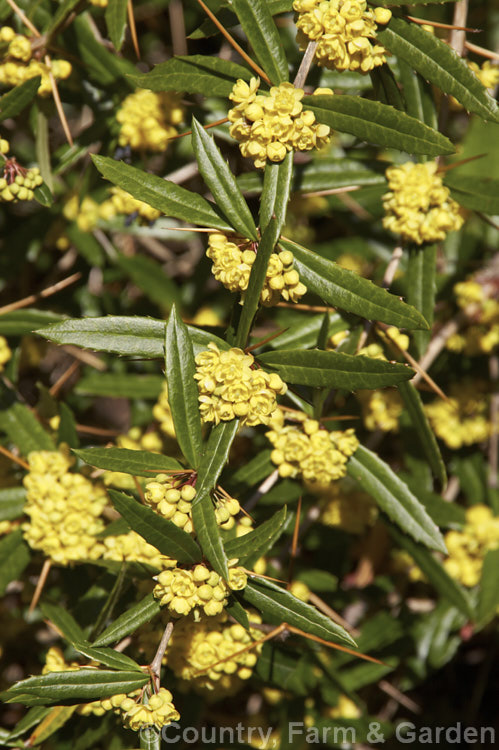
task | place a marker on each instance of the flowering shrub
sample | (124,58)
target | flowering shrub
(249,372)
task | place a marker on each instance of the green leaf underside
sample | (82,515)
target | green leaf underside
(474,192)
(221,182)
(131,336)
(129,621)
(332,370)
(394,498)
(350,292)
(183,393)
(378,123)
(136,463)
(438,63)
(257,543)
(116,21)
(172,200)
(13,102)
(260,29)
(194,74)
(169,539)
(280,606)
(79,686)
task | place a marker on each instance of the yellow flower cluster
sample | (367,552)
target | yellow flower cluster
(64,509)
(131,547)
(344,31)
(183,590)
(306,450)
(463,419)
(172,500)
(467,548)
(347,508)
(196,648)
(19,66)
(163,414)
(232,264)
(122,202)
(381,409)
(159,710)
(300,590)
(148,119)
(5,352)
(229,387)
(267,127)
(99,3)
(477,296)
(55,662)
(403,563)
(344,709)
(16,182)
(85,214)
(487,73)
(418,206)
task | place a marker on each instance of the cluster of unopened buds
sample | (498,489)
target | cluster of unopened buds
(267,127)
(344,31)
(232,263)
(418,206)
(19,64)
(17,183)
(211,655)
(305,449)
(477,298)
(468,547)
(148,119)
(463,419)
(230,387)
(130,547)
(172,500)
(198,588)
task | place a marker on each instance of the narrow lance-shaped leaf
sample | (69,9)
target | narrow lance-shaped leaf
(14,557)
(350,292)
(21,425)
(257,543)
(116,21)
(394,498)
(170,199)
(14,101)
(183,391)
(221,182)
(378,123)
(438,63)
(120,385)
(474,191)
(169,539)
(136,463)
(107,656)
(12,501)
(128,622)
(421,290)
(64,621)
(259,26)
(418,95)
(275,192)
(332,370)
(488,597)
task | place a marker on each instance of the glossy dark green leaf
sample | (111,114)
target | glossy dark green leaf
(120,385)
(116,22)
(127,623)
(275,192)
(183,393)
(81,686)
(22,427)
(172,200)
(14,101)
(421,290)
(332,370)
(278,605)
(30,719)
(66,432)
(438,63)
(385,87)
(221,182)
(64,621)
(394,498)
(261,31)
(256,281)
(12,501)
(14,557)
(136,463)
(474,192)
(257,543)
(378,123)
(169,539)
(229,19)
(102,66)
(418,95)
(194,74)
(62,12)
(414,405)
(351,292)
(488,597)
(151,278)
(107,656)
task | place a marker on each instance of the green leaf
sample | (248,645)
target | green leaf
(438,63)
(64,621)
(256,281)
(435,572)
(257,543)
(67,427)
(43,195)
(221,182)
(194,74)
(474,192)
(150,738)
(63,10)
(104,68)
(136,463)
(330,369)
(418,95)
(169,539)
(421,290)
(116,22)
(86,245)
(488,597)
(378,123)
(31,719)
(20,322)
(280,606)
(385,87)
(172,200)
(350,292)
(229,19)
(149,276)
(394,498)
(14,557)
(22,427)
(14,101)
(12,501)
(260,29)
(127,623)
(183,393)
(55,720)
(120,385)
(131,336)
(275,192)
(251,473)
(413,404)
(81,686)
(107,656)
